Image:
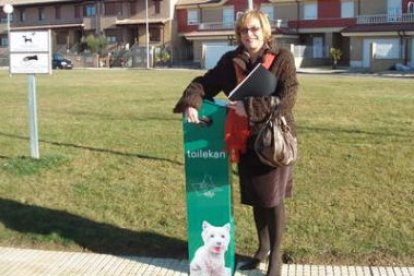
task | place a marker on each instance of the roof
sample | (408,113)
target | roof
(31,2)
(44,27)
(196,3)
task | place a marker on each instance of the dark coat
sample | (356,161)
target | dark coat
(260,184)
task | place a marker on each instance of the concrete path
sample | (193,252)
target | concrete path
(28,262)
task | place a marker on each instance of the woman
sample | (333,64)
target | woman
(261,186)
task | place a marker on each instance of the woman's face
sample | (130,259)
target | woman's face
(251,35)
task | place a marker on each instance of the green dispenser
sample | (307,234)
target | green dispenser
(210,222)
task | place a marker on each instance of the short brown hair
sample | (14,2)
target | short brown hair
(264,22)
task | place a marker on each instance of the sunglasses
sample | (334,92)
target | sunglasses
(253,30)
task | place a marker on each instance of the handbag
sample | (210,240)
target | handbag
(275,145)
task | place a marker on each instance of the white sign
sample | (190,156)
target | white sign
(36,41)
(30,52)
(29,63)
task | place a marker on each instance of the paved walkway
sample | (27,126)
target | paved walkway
(28,262)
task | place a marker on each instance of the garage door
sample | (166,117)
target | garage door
(412,53)
(213,51)
(384,49)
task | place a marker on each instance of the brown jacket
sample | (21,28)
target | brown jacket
(223,78)
(260,185)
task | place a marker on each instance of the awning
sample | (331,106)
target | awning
(42,27)
(141,21)
(378,29)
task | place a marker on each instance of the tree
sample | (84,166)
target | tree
(336,55)
(162,56)
(97,44)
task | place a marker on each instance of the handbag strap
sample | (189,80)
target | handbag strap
(268,60)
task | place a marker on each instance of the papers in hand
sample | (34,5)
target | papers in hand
(259,82)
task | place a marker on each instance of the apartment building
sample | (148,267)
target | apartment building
(372,34)
(121,21)
(383,34)
(206,27)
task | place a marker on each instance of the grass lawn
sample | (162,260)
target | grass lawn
(110,177)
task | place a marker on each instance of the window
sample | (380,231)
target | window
(111,39)
(228,17)
(41,14)
(310,11)
(77,11)
(4,41)
(410,7)
(155,34)
(157,6)
(111,8)
(394,11)
(89,10)
(268,10)
(3,17)
(387,48)
(192,18)
(22,15)
(347,8)
(61,38)
(133,8)
(57,12)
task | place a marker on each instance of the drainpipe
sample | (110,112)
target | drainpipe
(297,15)
(404,48)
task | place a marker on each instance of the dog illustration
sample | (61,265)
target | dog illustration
(26,39)
(209,258)
(27,58)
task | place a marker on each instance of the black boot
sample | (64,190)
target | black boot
(276,218)
(260,219)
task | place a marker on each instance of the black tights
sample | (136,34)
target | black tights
(270,223)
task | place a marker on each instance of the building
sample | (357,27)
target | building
(383,34)
(372,34)
(123,22)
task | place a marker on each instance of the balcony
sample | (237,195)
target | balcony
(385,18)
(217,26)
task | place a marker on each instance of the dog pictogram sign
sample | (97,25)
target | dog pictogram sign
(30,52)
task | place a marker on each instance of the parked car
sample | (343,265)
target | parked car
(59,62)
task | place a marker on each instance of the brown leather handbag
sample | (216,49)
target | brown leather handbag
(275,145)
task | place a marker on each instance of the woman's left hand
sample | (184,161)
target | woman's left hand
(238,107)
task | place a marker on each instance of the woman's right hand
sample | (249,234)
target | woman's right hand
(191,114)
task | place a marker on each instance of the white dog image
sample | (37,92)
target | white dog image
(209,258)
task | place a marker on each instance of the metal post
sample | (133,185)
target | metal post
(147,33)
(8,9)
(34,139)
(250,4)
(8,39)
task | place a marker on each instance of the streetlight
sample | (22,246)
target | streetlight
(147,33)
(8,9)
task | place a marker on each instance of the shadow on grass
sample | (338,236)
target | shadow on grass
(351,131)
(95,149)
(91,235)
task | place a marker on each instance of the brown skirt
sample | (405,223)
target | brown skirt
(262,185)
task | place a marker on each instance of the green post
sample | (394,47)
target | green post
(210,222)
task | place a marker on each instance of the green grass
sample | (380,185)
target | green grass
(110,177)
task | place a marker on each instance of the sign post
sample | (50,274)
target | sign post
(210,221)
(30,53)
